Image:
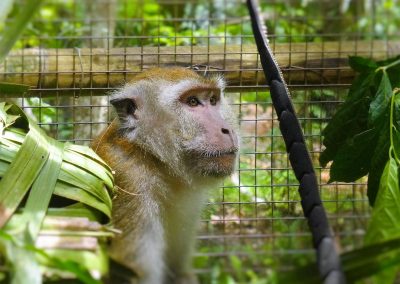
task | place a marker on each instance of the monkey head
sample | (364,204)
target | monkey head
(182,119)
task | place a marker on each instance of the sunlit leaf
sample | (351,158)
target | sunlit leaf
(385,218)
(5,7)
(80,170)
(42,189)
(66,264)
(30,161)
(21,174)
(24,266)
(11,34)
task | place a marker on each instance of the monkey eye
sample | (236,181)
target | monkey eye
(213,100)
(193,101)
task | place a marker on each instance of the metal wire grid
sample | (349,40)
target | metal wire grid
(255,217)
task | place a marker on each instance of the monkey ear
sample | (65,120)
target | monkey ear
(125,107)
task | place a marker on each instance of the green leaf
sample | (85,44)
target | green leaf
(25,260)
(366,253)
(396,124)
(13,89)
(76,210)
(378,162)
(5,8)
(22,172)
(24,266)
(11,34)
(22,123)
(349,120)
(42,189)
(29,159)
(63,264)
(6,119)
(76,193)
(83,176)
(396,141)
(92,261)
(384,223)
(385,217)
(89,160)
(352,159)
(77,176)
(393,71)
(371,260)
(357,264)
(381,103)
(89,153)
(361,64)
(3,113)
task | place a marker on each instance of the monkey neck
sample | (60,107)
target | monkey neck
(133,164)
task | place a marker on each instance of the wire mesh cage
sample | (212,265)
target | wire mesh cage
(253,224)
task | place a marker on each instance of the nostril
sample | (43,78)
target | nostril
(225,131)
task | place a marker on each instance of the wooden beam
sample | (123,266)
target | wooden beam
(93,71)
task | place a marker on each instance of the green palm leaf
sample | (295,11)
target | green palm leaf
(33,167)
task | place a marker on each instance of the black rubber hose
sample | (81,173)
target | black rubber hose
(327,257)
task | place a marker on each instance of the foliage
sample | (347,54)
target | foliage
(83,176)
(10,35)
(333,20)
(357,264)
(364,138)
(384,223)
(208,22)
(66,24)
(361,125)
(34,166)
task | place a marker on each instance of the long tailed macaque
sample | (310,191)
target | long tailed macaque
(175,137)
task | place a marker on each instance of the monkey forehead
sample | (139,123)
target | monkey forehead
(166,84)
(172,74)
(176,75)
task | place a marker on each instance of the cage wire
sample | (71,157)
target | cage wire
(254,221)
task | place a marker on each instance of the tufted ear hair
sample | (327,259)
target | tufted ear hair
(126,110)
(125,107)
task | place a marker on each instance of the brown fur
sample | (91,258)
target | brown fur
(159,192)
(174,74)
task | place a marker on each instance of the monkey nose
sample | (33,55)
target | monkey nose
(225,131)
(232,137)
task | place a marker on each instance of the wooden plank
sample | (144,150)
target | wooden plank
(92,71)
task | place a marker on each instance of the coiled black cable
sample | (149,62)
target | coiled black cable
(327,257)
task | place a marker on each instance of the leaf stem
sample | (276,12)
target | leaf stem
(394,63)
(392,149)
(384,68)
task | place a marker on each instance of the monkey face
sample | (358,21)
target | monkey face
(213,150)
(182,119)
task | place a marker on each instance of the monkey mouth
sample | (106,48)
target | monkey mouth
(213,163)
(220,153)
